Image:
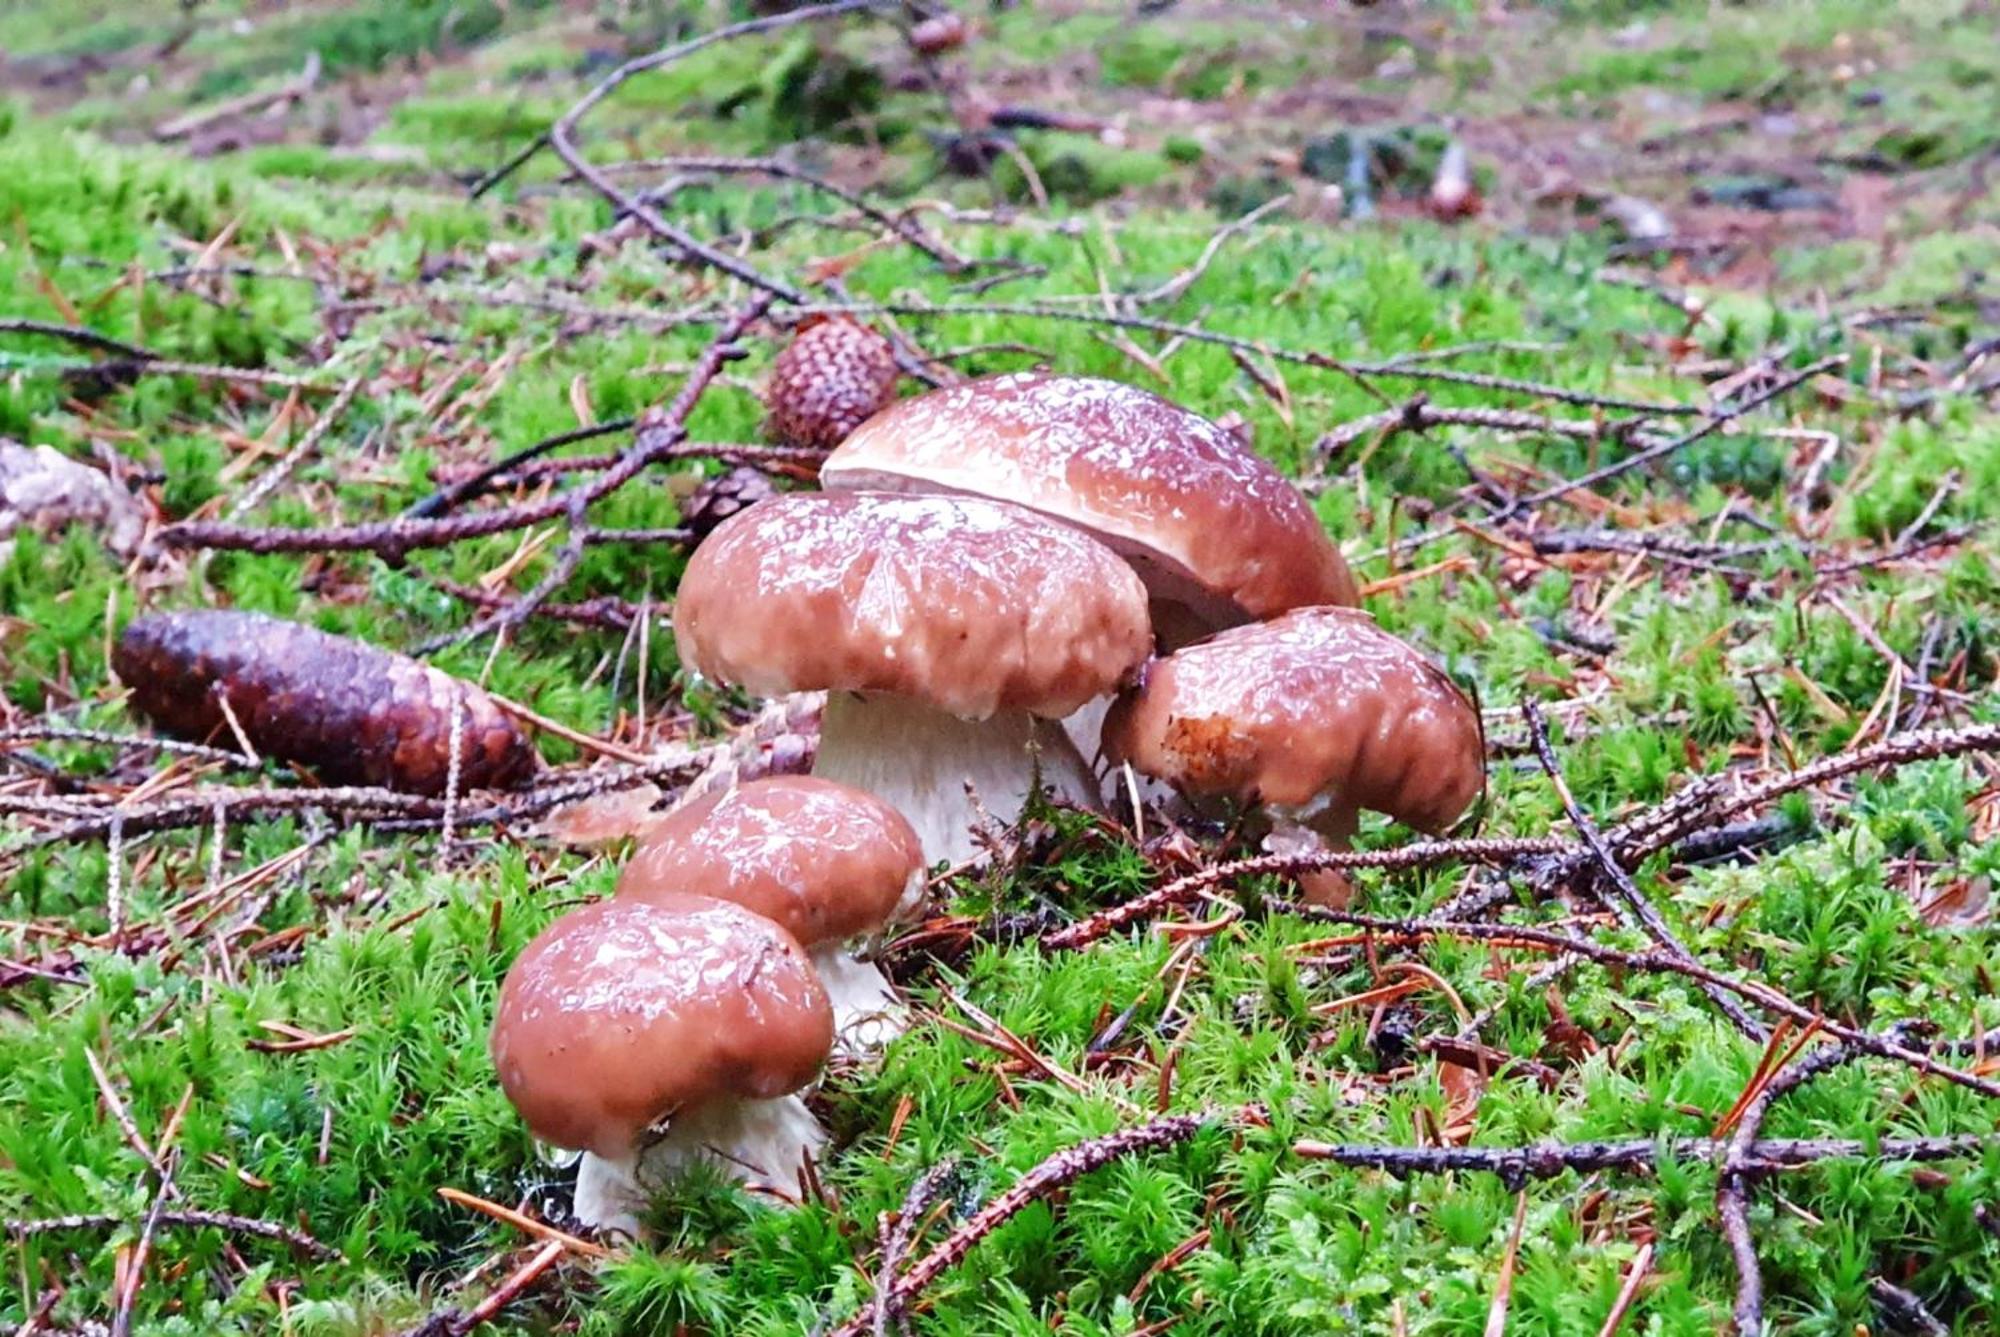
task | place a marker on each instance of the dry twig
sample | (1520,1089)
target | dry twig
(1634,901)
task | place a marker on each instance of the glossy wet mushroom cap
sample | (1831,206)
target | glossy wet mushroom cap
(1320,705)
(948,632)
(825,861)
(969,605)
(1207,523)
(624,1012)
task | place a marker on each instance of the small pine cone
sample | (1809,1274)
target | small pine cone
(718,498)
(835,375)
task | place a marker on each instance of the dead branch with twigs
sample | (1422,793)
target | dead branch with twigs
(896,1292)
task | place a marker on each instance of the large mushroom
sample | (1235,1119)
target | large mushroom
(1316,715)
(1218,535)
(947,631)
(678,1008)
(826,862)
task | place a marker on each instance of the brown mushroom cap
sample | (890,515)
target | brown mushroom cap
(1319,703)
(623,1012)
(824,861)
(970,605)
(1206,522)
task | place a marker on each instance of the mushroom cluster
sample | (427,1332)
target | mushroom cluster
(980,589)
(677,1022)
(1274,689)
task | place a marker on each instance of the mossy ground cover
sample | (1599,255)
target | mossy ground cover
(477,327)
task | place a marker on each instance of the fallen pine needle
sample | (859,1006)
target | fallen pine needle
(1503,1290)
(1635,1277)
(505,1293)
(524,1223)
(1402,578)
(601,746)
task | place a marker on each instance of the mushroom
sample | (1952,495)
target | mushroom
(827,863)
(679,1008)
(946,631)
(1218,535)
(1317,715)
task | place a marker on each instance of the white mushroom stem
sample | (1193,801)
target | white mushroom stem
(1116,785)
(920,759)
(762,1144)
(866,1011)
(1320,829)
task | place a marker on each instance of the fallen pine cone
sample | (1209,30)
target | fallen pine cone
(832,377)
(716,499)
(353,712)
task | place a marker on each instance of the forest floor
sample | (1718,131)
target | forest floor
(1686,432)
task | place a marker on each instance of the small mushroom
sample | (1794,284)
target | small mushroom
(678,1008)
(1316,715)
(826,862)
(947,632)
(1218,535)
(940,33)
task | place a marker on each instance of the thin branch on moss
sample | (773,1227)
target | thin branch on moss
(660,60)
(385,809)
(896,1240)
(129,360)
(1713,423)
(1710,557)
(508,617)
(606,611)
(560,138)
(1056,1172)
(274,477)
(1515,1166)
(1704,803)
(1360,372)
(1902,550)
(447,499)
(1419,415)
(1181,282)
(197,807)
(79,335)
(456,1322)
(228,1222)
(1186,890)
(1904,1310)
(902,225)
(522,467)
(1547,1160)
(1732,1185)
(57,733)
(1761,995)
(660,436)
(127,1293)
(1637,907)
